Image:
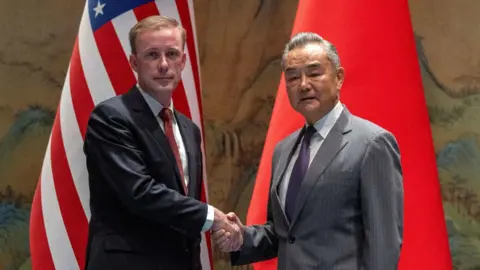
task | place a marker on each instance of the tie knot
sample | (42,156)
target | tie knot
(309,133)
(166,114)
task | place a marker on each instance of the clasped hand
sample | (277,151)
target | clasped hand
(227,231)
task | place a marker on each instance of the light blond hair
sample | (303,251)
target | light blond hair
(154,23)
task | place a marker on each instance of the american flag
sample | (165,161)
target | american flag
(98,70)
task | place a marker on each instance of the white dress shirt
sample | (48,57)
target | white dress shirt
(156,108)
(323,127)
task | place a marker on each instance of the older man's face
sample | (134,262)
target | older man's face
(313,83)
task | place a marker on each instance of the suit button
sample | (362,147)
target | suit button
(291,240)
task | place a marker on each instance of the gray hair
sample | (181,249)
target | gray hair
(303,38)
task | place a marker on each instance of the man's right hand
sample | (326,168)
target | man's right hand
(228,241)
(220,221)
(228,227)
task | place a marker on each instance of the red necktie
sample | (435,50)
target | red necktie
(167,116)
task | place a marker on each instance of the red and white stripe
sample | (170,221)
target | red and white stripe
(99,69)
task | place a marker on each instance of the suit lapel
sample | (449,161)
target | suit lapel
(280,168)
(146,117)
(332,145)
(290,146)
(188,142)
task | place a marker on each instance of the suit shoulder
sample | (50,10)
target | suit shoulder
(287,139)
(109,103)
(368,129)
(110,107)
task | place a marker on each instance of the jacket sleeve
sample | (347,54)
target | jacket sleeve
(113,153)
(260,242)
(382,203)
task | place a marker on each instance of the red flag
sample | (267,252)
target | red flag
(383,84)
(99,69)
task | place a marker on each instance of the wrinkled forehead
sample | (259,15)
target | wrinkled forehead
(306,58)
(306,55)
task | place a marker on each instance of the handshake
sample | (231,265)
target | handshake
(227,231)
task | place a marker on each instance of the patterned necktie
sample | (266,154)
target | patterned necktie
(298,173)
(167,115)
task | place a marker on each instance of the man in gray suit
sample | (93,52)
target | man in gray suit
(336,196)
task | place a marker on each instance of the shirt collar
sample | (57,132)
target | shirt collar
(153,104)
(325,124)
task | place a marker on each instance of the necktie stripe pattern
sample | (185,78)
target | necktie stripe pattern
(98,70)
(167,116)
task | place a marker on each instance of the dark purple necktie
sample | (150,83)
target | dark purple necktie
(298,173)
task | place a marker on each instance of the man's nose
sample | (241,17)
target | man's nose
(304,85)
(163,64)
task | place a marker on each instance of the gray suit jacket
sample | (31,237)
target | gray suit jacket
(349,213)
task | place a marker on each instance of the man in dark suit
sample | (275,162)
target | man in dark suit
(144,161)
(336,197)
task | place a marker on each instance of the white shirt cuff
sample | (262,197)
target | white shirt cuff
(209,220)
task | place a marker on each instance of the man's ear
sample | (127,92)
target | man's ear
(340,77)
(133,62)
(184,60)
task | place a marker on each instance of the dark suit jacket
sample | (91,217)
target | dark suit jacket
(141,218)
(349,212)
